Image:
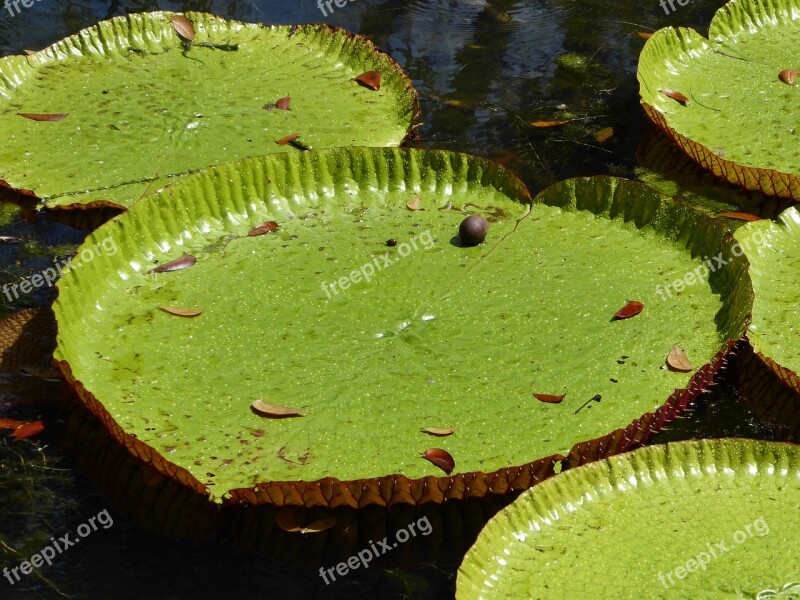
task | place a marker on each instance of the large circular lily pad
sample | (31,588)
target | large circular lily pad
(705,519)
(372,342)
(722,99)
(143,105)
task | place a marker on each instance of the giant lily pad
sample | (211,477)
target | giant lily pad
(144,105)
(722,99)
(773,249)
(370,341)
(706,519)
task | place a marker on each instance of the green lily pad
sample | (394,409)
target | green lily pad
(370,341)
(705,519)
(739,121)
(144,106)
(773,250)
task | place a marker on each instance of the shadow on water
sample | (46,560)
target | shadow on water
(485,72)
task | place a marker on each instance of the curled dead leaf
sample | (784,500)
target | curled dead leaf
(26,430)
(678,361)
(184,262)
(267,227)
(284,103)
(181,312)
(543,124)
(549,398)
(413,204)
(287,139)
(631,309)
(183,27)
(274,411)
(677,96)
(290,518)
(370,80)
(604,134)
(44,116)
(789,76)
(742,216)
(441,458)
(439,432)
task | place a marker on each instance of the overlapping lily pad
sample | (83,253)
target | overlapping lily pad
(359,309)
(773,249)
(705,519)
(139,104)
(727,101)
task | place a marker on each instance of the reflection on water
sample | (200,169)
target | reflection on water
(485,71)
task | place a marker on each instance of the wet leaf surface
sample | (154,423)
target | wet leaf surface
(441,458)
(184,262)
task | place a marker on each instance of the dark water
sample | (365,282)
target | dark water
(484,71)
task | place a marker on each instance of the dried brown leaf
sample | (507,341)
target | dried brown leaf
(184,262)
(284,103)
(604,134)
(413,204)
(44,116)
(441,458)
(181,312)
(549,398)
(631,309)
(742,216)
(370,80)
(789,76)
(267,227)
(677,96)
(678,361)
(183,27)
(274,411)
(439,432)
(287,139)
(543,124)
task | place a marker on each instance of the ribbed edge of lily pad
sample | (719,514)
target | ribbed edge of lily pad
(767,181)
(770,390)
